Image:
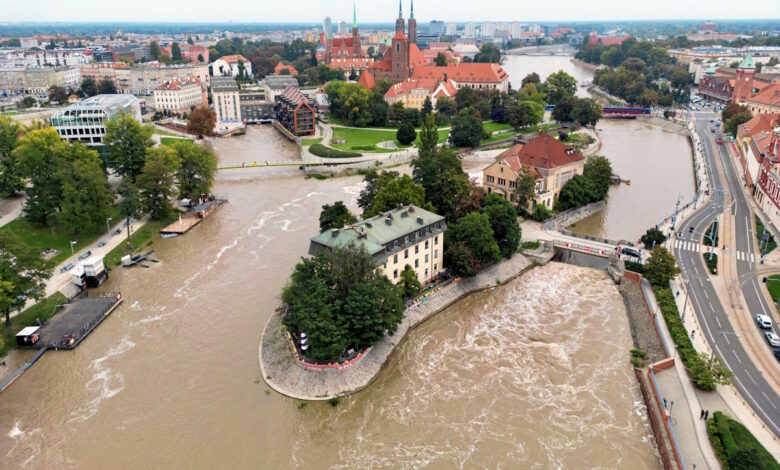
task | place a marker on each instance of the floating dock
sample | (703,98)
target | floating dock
(187,221)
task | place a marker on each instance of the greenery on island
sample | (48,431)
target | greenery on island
(661,267)
(335,215)
(410,285)
(732,116)
(712,230)
(711,260)
(327,152)
(41,311)
(707,372)
(502,216)
(202,122)
(341,301)
(488,53)
(591,186)
(736,447)
(652,238)
(767,246)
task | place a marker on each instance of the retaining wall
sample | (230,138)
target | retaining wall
(571,216)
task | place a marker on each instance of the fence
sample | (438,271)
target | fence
(595,251)
(668,421)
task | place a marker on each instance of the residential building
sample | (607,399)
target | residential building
(768,194)
(142,79)
(766,101)
(225,99)
(466,50)
(20,58)
(516,30)
(38,80)
(343,27)
(740,85)
(752,142)
(615,39)
(327,26)
(451,29)
(488,29)
(195,53)
(295,112)
(275,85)
(254,107)
(436,27)
(85,121)
(406,235)
(480,76)
(413,92)
(553,162)
(232,65)
(470,31)
(180,97)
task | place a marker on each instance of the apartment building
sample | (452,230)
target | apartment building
(179,97)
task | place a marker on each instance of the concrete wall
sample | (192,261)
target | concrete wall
(571,216)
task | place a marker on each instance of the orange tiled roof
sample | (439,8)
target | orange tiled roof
(233,59)
(543,151)
(367,80)
(282,66)
(769,95)
(471,72)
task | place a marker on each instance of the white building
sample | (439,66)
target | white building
(452,29)
(85,121)
(465,50)
(38,80)
(470,31)
(534,28)
(488,29)
(179,97)
(517,30)
(230,65)
(224,97)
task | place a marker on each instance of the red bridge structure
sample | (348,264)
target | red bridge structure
(624,112)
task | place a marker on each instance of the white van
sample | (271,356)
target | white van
(763,321)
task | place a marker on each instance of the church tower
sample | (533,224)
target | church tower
(743,85)
(412,27)
(356,51)
(399,23)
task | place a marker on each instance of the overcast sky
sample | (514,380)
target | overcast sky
(292,11)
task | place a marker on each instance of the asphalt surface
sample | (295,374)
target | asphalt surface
(750,383)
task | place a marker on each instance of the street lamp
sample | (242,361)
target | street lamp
(108,227)
(71,247)
(671,406)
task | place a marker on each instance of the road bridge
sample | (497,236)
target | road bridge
(550,49)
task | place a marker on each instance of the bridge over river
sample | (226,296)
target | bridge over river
(550,49)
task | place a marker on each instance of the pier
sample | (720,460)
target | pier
(187,221)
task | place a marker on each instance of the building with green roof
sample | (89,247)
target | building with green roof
(406,235)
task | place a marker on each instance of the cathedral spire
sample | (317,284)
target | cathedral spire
(354,15)
(412,14)
(400,13)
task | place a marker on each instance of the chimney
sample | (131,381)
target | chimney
(389,220)
(404,214)
(420,220)
(334,233)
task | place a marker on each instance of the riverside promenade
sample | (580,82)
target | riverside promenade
(282,373)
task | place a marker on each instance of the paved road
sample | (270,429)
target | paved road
(748,380)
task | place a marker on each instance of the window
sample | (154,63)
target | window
(426,257)
(406,253)
(417,263)
(435,268)
(502,182)
(435,253)
(395,274)
(426,273)
(395,258)
(416,249)
(491,179)
(436,240)
(426,244)
(512,184)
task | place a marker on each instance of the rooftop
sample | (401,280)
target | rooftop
(280,82)
(109,104)
(543,151)
(223,84)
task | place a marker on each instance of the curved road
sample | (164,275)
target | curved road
(749,381)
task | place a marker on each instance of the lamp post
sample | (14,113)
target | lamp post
(671,406)
(108,227)
(73,253)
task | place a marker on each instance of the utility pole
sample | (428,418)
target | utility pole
(676,209)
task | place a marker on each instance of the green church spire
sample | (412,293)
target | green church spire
(354,15)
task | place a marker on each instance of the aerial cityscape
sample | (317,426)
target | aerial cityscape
(355,234)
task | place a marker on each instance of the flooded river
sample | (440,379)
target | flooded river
(534,373)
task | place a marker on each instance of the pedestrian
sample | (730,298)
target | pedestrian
(664,403)
(701,415)
(706,415)
(693,333)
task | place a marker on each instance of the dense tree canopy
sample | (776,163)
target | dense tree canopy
(196,169)
(127,142)
(156,181)
(599,171)
(559,86)
(202,121)
(406,134)
(86,200)
(466,131)
(22,269)
(488,53)
(443,179)
(10,178)
(39,156)
(661,267)
(335,215)
(469,245)
(503,220)
(402,190)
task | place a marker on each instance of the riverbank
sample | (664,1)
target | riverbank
(282,373)
(585,65)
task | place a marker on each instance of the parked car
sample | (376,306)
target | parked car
(85,255)
(690,229)
(719,141)
(763,321)
(773,339)
(67,267)
(630,252)
(101,243)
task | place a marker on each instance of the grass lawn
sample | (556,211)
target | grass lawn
(773,286)
(713,228)
(41,238)
(771,245)
(139,239)
(159,131)
(43,310)
(172,140)
(364,140)
(306,142)
(491,126)
(733,443)
(530,245)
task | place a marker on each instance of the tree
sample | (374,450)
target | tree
(10,179)
(57,94)
(175,52)
(429,136)
(202,121)
(129,204)
(335,215)
(471,245)
(406,134)
(524,114)
(488,54)
(196,169)
(39,157)
(652,238)
(410,285)
(374,183)
(731,125)
(563,109)
(559,86)
(156,182)
(532,77)
(525,190)
(577,192)
(503,220)
(86,200)
(88,87)
(599,171)
(661,267)
(26,102)
(22,270)
(106,87)
(440,60)
(190,41)
(445,106)
(200,58)
(444,182)
(427,108)
(586,111)
(127,142)
(402,190)
(541,213)
(340,300)
(466,131)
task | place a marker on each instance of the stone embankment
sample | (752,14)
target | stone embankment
(572,216)
(282,373)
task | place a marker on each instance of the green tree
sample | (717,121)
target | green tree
(129,204)
(154,50)
(106,86)
(440,60)
(466,131)
(429,137)
(469,245)
(22,270)
(427,108)
(410,285)
(10,179)
(340,300)
(524,114)
(39,157)
(599,171)
(532,77)
(586,111)
(525,190)
(89,87)
(406,134)
(202,121)
(127,142)
(335,215)
(86,199)
(661,267)
(374,183)
(559,85)
(156,182)
(563,109)
(402,190)
(731,125)
(446,107)
(190,41)
(541,213)
(503,220)
(197,166)
(175,52)
(443,179)
(488,54)
(653,237)
(577,192)
(58,94)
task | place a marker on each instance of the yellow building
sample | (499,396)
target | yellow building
(413,92)
(406,235)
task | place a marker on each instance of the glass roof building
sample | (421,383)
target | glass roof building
(84,121)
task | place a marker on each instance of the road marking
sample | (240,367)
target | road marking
(726,337)
(718,320)
(752,258)
(740,361)
(769,400)
(750,376)
(706,294)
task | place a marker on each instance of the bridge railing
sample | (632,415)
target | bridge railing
(591,250)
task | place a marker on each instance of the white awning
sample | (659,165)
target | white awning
(28,331)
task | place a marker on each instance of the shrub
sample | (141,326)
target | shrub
(406,134)
(530,245)
(635,267)
(327,152)
(735,446)
(541,213)
(712,264)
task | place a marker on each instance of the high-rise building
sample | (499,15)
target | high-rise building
(488,29)
(534,28)
(224,94)
(327,26)
(517,30)
(343,27)
(452,29)
(470,31)
(436,27)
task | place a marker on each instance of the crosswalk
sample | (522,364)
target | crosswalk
(687,246)
(742,256)
(701,248)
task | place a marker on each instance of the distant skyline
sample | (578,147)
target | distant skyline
(378,11)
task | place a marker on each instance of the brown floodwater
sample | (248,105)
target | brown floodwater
(532,374)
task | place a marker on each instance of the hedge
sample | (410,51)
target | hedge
(733,443)
(327,152)
(701,375)
(711,260)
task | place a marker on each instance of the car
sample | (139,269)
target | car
(763,321)
(719,141)
(67,267)
(101,243)
(772,339)
(631,252)
(85,255)
(690,229)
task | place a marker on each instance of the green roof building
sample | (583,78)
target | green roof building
(406,235)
